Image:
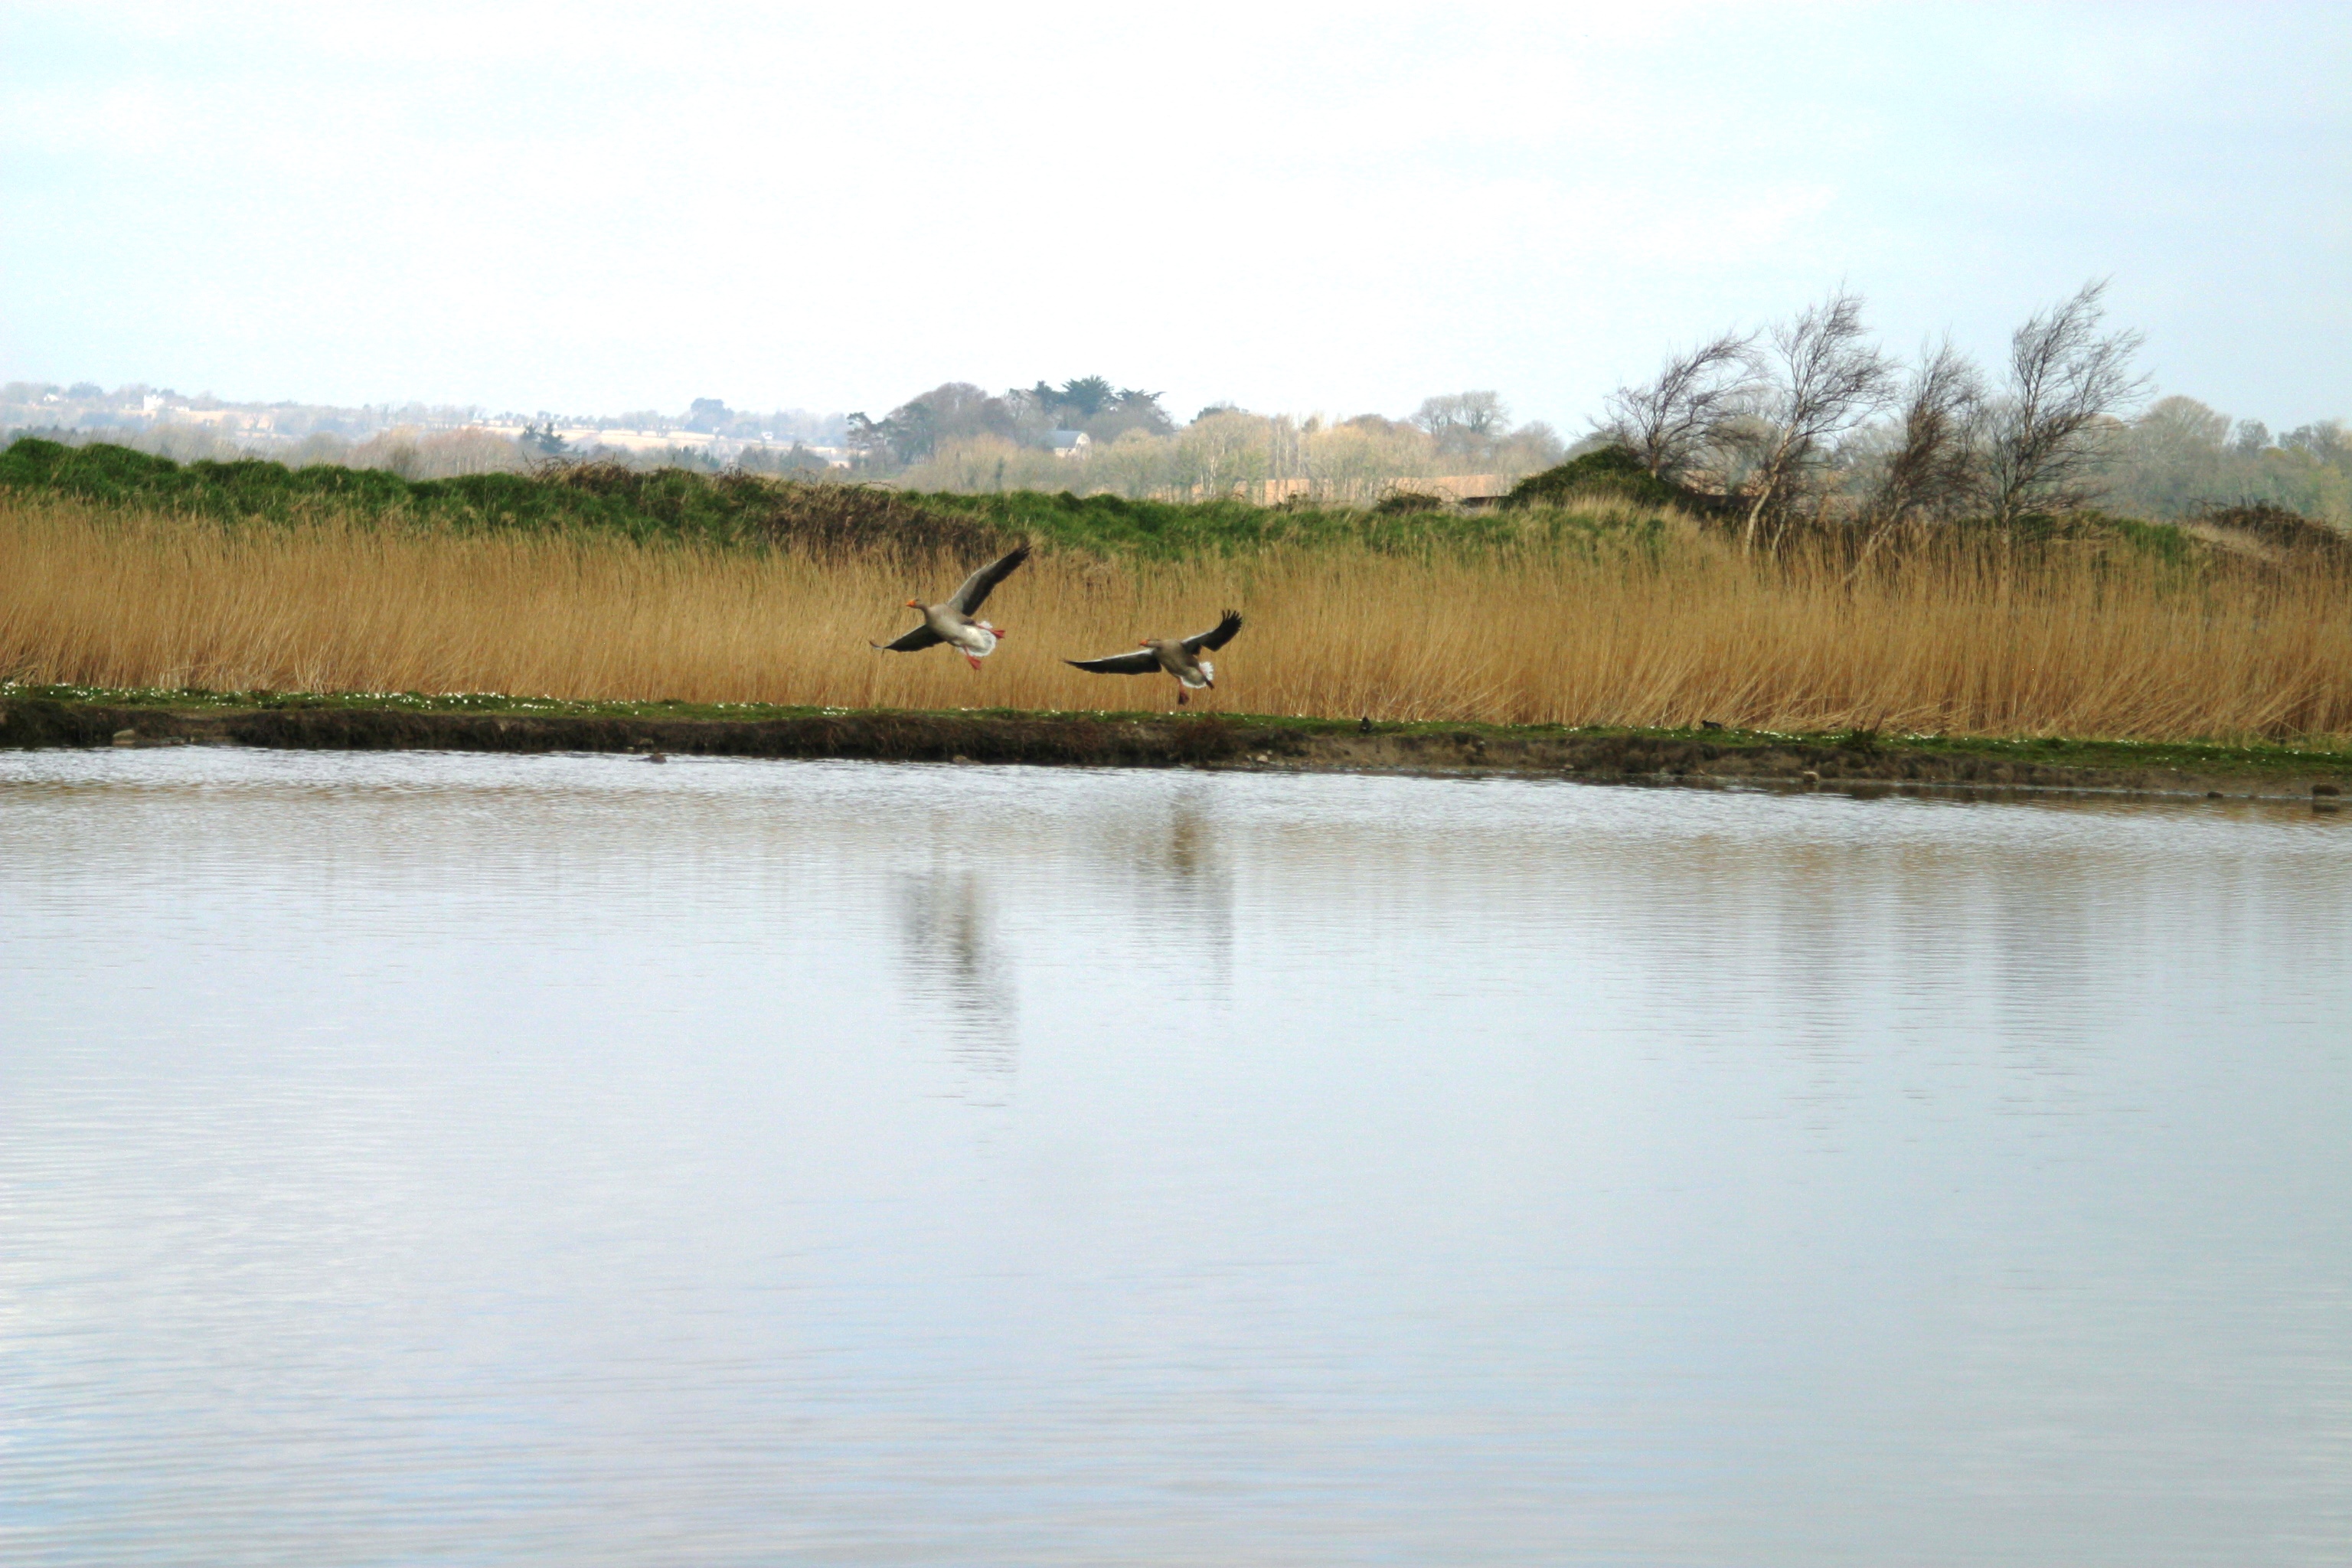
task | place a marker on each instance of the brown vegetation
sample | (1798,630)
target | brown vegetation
(1968,634)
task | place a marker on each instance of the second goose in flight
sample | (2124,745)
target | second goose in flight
(950,621)
(1179,657)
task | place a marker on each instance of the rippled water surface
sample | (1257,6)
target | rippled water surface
(459,1160)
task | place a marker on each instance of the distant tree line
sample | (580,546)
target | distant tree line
(958,436)
(1807,419)
(2181,459)
(958,411)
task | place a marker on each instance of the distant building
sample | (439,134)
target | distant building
(1070,442)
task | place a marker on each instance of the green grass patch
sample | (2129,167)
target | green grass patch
(746,510)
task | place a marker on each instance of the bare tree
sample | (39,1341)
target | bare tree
(1669,421)
(1463,420)
(2043,440)
(1822,380)
(1933,463)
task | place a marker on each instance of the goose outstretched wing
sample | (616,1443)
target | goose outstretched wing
(1142,661)
(921,636)
(1217,637)
(976,587)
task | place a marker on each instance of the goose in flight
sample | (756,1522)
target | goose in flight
(1179,657)
(950,622)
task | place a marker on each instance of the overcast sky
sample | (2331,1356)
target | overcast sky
(588,209)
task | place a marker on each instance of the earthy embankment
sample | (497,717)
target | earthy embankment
(1186,741)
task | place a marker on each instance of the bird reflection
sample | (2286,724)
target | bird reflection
(1180,870)
(1188,846)
(943,921)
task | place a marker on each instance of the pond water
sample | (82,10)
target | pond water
(427,1159)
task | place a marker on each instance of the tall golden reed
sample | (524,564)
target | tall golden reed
(1959,641)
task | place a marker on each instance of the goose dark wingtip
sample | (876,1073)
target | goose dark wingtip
(1227,627)
(975,589)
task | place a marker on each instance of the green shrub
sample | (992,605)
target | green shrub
(1607,472)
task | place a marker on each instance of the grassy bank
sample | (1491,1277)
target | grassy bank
(73,715)
(1638,620)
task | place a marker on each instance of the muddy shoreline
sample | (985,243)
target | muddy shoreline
(1133,740)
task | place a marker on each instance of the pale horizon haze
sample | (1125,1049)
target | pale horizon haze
(584,209)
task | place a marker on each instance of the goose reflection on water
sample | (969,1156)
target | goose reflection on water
(959,970)
(1172,866)
(1175,868)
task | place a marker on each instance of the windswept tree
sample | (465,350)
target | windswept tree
(1670,422)
(1932,466)
(2044,439)
(1820,380)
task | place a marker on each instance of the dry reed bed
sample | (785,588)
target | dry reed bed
(1957,641)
